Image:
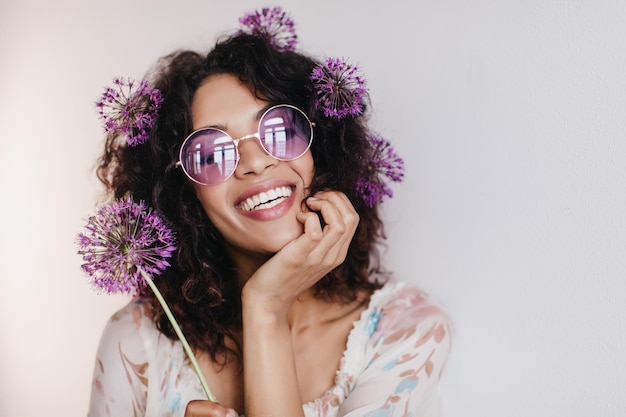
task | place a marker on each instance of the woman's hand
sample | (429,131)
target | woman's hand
(270,378)
(305,260)
(206,408)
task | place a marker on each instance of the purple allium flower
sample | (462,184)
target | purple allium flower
(272,23)
(372,191)
(384,165)
(129,108)
(340,88)
(121,238)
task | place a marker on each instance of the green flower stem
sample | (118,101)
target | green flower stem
(179,333)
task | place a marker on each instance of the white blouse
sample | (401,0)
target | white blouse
(391,366)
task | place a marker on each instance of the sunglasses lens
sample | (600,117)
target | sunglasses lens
(209,156)
(285,132)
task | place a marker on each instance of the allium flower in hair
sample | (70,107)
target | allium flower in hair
(119,240)
(339,87)
(124,244)
(272,23)
(384,166)
(129,108)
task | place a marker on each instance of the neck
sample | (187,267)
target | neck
(308,311)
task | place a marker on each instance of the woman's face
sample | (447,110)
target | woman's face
(223,101)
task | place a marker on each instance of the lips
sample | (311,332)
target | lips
(265,199)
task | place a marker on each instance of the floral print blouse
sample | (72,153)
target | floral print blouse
(391,366)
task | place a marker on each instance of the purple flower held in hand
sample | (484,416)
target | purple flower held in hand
(123,245)
(340,88)
(384,165)
(272,23)
(119,240)
(129,108)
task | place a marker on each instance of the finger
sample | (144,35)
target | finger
(337,211)
(341,222)
(339,201)
(349,219)
(314,244)
(329,213)
(312,225)
(205,408)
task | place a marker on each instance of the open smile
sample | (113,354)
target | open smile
(266,199)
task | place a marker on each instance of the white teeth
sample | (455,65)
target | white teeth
(266,199)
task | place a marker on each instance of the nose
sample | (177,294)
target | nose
(253,159)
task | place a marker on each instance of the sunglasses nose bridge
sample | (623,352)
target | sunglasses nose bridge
(247,137)
(250,136)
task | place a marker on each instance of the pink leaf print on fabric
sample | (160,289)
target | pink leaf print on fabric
(97,382)
(400,317)
(136,375)
(328,402)
(440,333)
(428,367)
(432,333)
(388,408)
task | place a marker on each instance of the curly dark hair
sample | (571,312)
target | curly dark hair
(201,286)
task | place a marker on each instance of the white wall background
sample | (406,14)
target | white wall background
(511,116)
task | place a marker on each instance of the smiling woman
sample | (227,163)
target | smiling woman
(262,225)
(261,160)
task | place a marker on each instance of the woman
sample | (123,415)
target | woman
(275,280)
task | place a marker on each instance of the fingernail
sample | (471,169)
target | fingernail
(232,413)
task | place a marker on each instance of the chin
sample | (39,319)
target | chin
(277,241)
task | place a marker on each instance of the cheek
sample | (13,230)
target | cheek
(218,216)
(304,167)
(210,198)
